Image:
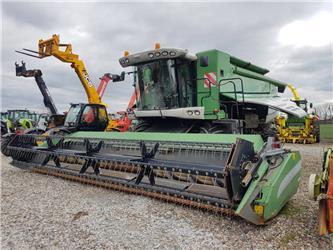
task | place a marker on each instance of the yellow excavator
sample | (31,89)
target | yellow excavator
(297,130)
(53,47)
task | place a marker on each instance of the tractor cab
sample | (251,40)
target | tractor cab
(17,114)
(3,115)
(303,104)
(20,119)
(34,117)
(55,121)
(83,117)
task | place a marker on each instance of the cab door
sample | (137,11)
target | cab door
(93,118)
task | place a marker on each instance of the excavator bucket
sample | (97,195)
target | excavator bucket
(229,174)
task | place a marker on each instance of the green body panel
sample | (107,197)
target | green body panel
(9,123)
(273,187)
(295,122)
(186,137)
(210,97)
(244,64)
(233,77)
(326,131)
(25,123)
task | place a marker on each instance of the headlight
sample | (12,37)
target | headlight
(190,112)
(172,53)
(126,60)
(150,55)
(197,112)
(157,54)
(164,53)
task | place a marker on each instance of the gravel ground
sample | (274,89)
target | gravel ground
(39,211)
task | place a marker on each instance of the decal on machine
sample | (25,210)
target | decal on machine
(210,79)
(86,76)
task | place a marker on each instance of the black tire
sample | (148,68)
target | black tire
(203,130)
(141,127)
(5,140)
(4,128)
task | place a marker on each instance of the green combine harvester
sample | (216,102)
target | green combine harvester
(190,145)
(207,92)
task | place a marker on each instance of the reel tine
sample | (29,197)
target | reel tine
(46,160)
(141,175)
(99,146)
(57,161)
(154,150)
(60,143)
(143,150)
(87,145)
(151,177)
(84,167)
(96,167)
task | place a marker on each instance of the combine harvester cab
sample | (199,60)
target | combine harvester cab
(230,174)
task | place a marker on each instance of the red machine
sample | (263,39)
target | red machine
(102,86)
(321,188)
(123,123)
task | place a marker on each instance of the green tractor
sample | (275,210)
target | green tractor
(16,120)
(206,92)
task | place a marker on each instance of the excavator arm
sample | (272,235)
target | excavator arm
(37,74)
(52,47)
(105,80)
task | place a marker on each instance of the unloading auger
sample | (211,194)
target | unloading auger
(230,174)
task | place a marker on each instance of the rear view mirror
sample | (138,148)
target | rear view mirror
(118,78)
(204,61)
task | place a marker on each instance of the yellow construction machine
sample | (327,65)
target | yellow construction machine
(298,130)
(53,47)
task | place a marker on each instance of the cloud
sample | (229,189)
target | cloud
(313,32)
(100,32)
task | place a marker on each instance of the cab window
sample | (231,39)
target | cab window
(89,115)
(103,116)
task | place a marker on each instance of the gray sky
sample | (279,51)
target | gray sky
(293,40)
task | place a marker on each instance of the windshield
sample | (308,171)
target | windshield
(16,115)
(164,84)
(72,115)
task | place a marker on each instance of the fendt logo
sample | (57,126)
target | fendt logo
(210,79)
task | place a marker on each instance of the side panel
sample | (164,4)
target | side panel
(208,93)
(281,185)
(271,191)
